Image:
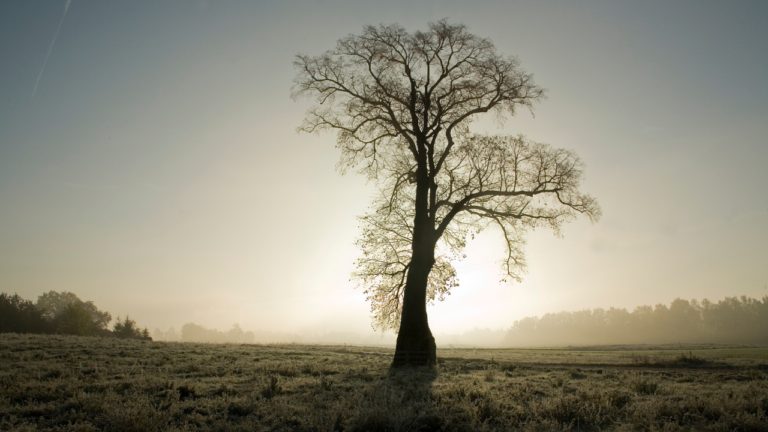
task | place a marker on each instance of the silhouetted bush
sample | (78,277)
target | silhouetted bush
(127,329)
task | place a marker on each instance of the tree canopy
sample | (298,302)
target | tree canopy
(57,306)
(21,316)
(498,181)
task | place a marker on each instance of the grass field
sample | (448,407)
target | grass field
(63,383)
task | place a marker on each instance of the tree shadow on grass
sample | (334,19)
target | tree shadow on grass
(402,401)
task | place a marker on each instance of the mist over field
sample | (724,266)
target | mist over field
(730,321)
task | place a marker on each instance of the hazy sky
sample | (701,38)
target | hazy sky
(157,170)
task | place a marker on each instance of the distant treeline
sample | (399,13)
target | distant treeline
(477,338)
(62,313)
(191,332)
(740,320)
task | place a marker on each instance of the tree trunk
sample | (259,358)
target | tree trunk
(415,343)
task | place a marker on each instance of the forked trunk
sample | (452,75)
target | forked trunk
(415,343)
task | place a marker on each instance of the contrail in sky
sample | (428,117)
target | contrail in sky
(66,6)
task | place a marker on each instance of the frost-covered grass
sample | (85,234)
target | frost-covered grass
(83,384)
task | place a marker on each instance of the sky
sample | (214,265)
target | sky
(149,159)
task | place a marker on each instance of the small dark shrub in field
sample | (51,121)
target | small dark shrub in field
(578,375)
(507,367)
(557,381)
(308,369)
(690,359)
(488,409)
(490,375)
(643,385)
(186,392)
(325,382)
(272,387)
(240,409)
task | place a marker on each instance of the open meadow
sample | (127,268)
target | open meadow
(69,383)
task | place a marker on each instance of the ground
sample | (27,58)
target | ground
(67,383)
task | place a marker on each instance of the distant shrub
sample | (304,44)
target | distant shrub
(127,329)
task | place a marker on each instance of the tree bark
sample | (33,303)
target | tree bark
(415,343)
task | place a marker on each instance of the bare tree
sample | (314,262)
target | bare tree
(401,104)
